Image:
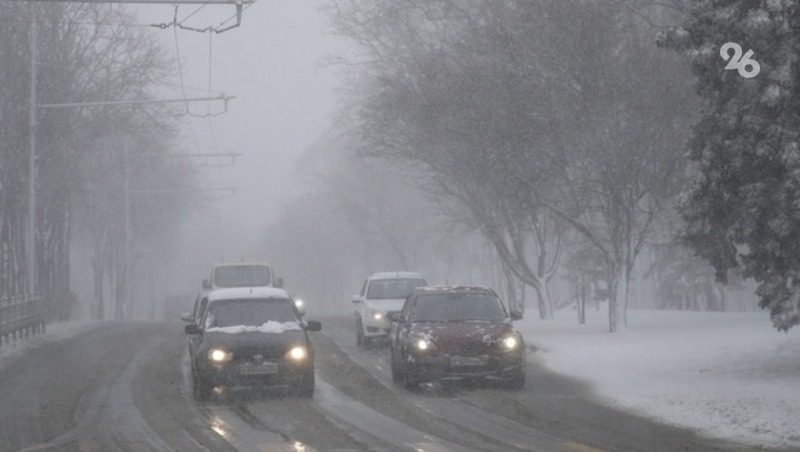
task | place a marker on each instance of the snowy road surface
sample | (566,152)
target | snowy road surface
(123,387)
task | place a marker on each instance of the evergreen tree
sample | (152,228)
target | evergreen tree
(743,207)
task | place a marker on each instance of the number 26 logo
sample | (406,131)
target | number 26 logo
(746,65)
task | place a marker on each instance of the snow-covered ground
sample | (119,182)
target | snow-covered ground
(55,332)
(729,375)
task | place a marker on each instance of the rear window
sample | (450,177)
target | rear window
(242,276)
(457,307)
(392,288)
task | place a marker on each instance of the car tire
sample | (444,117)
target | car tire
(359,333)
(202,390)
(397,373)
(305,388)
(516,382)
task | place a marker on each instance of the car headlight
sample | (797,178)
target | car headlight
(298,353)
(423,345)
(377,315)
(510,342)
(218,355)
(299,303)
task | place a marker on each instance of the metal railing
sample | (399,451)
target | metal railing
(21,316)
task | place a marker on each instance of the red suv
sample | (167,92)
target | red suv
(456,333)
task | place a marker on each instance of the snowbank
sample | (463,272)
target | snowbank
(269,327)
(55,332)
(729,375)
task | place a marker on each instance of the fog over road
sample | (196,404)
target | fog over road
(124,387)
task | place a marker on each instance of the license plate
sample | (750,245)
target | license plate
(258,369)
(468,361)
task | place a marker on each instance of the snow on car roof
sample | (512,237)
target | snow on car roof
(396,275)
(238,293)
(241,263)
(454,289)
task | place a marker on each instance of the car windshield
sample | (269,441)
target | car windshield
(384,289)
(242,276)
(457,307)
(249,312)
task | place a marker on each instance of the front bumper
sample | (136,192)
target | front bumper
(230,374)
(440,367)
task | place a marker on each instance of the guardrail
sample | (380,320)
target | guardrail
(21,316)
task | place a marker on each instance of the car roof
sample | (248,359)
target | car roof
(242,263)
(239,293)
(453,289)
(396,275)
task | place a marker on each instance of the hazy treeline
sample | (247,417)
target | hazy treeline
(553,132)
(84,53)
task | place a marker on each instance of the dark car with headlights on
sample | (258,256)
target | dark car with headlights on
(456,333)
(252,337)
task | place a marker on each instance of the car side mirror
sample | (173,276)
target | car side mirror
(313,325)
(516,315)
(206,284)
(193,329)
(356,298)
(397,317)
(279,283)
(186,317)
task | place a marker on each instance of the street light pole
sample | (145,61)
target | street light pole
(32,123)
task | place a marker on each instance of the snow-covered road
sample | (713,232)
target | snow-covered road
(124,387)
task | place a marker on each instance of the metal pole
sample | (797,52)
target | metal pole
(32,123)
(127,258)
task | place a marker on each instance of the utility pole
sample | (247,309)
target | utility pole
(32,122)
(126,299)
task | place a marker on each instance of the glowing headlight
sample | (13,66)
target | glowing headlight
(377,316)
(423,345)
(299,303)
(219,356)
(298,353)
(510,342)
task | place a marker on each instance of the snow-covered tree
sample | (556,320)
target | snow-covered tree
(743,208)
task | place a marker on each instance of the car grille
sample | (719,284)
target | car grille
(265,353)
(472,348)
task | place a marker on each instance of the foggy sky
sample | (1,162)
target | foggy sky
(274,64)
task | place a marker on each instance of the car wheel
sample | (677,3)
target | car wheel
(516,382)
(397,373)
(359,334)
(367,342)
(409,377)
(305,387)
(202,390)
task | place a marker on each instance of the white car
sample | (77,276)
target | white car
(382,294)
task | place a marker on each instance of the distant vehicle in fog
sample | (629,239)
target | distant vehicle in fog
(235,274)
(242,274)
(251,337)
(381,294)
(456,333)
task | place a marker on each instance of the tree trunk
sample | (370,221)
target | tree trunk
(613,301)
(544,301)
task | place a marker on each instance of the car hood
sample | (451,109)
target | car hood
(247,344)
(388,305)
(456,336)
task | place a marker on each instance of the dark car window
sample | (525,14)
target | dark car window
(383,289)
(242,276)
(249,312)
(457,307)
